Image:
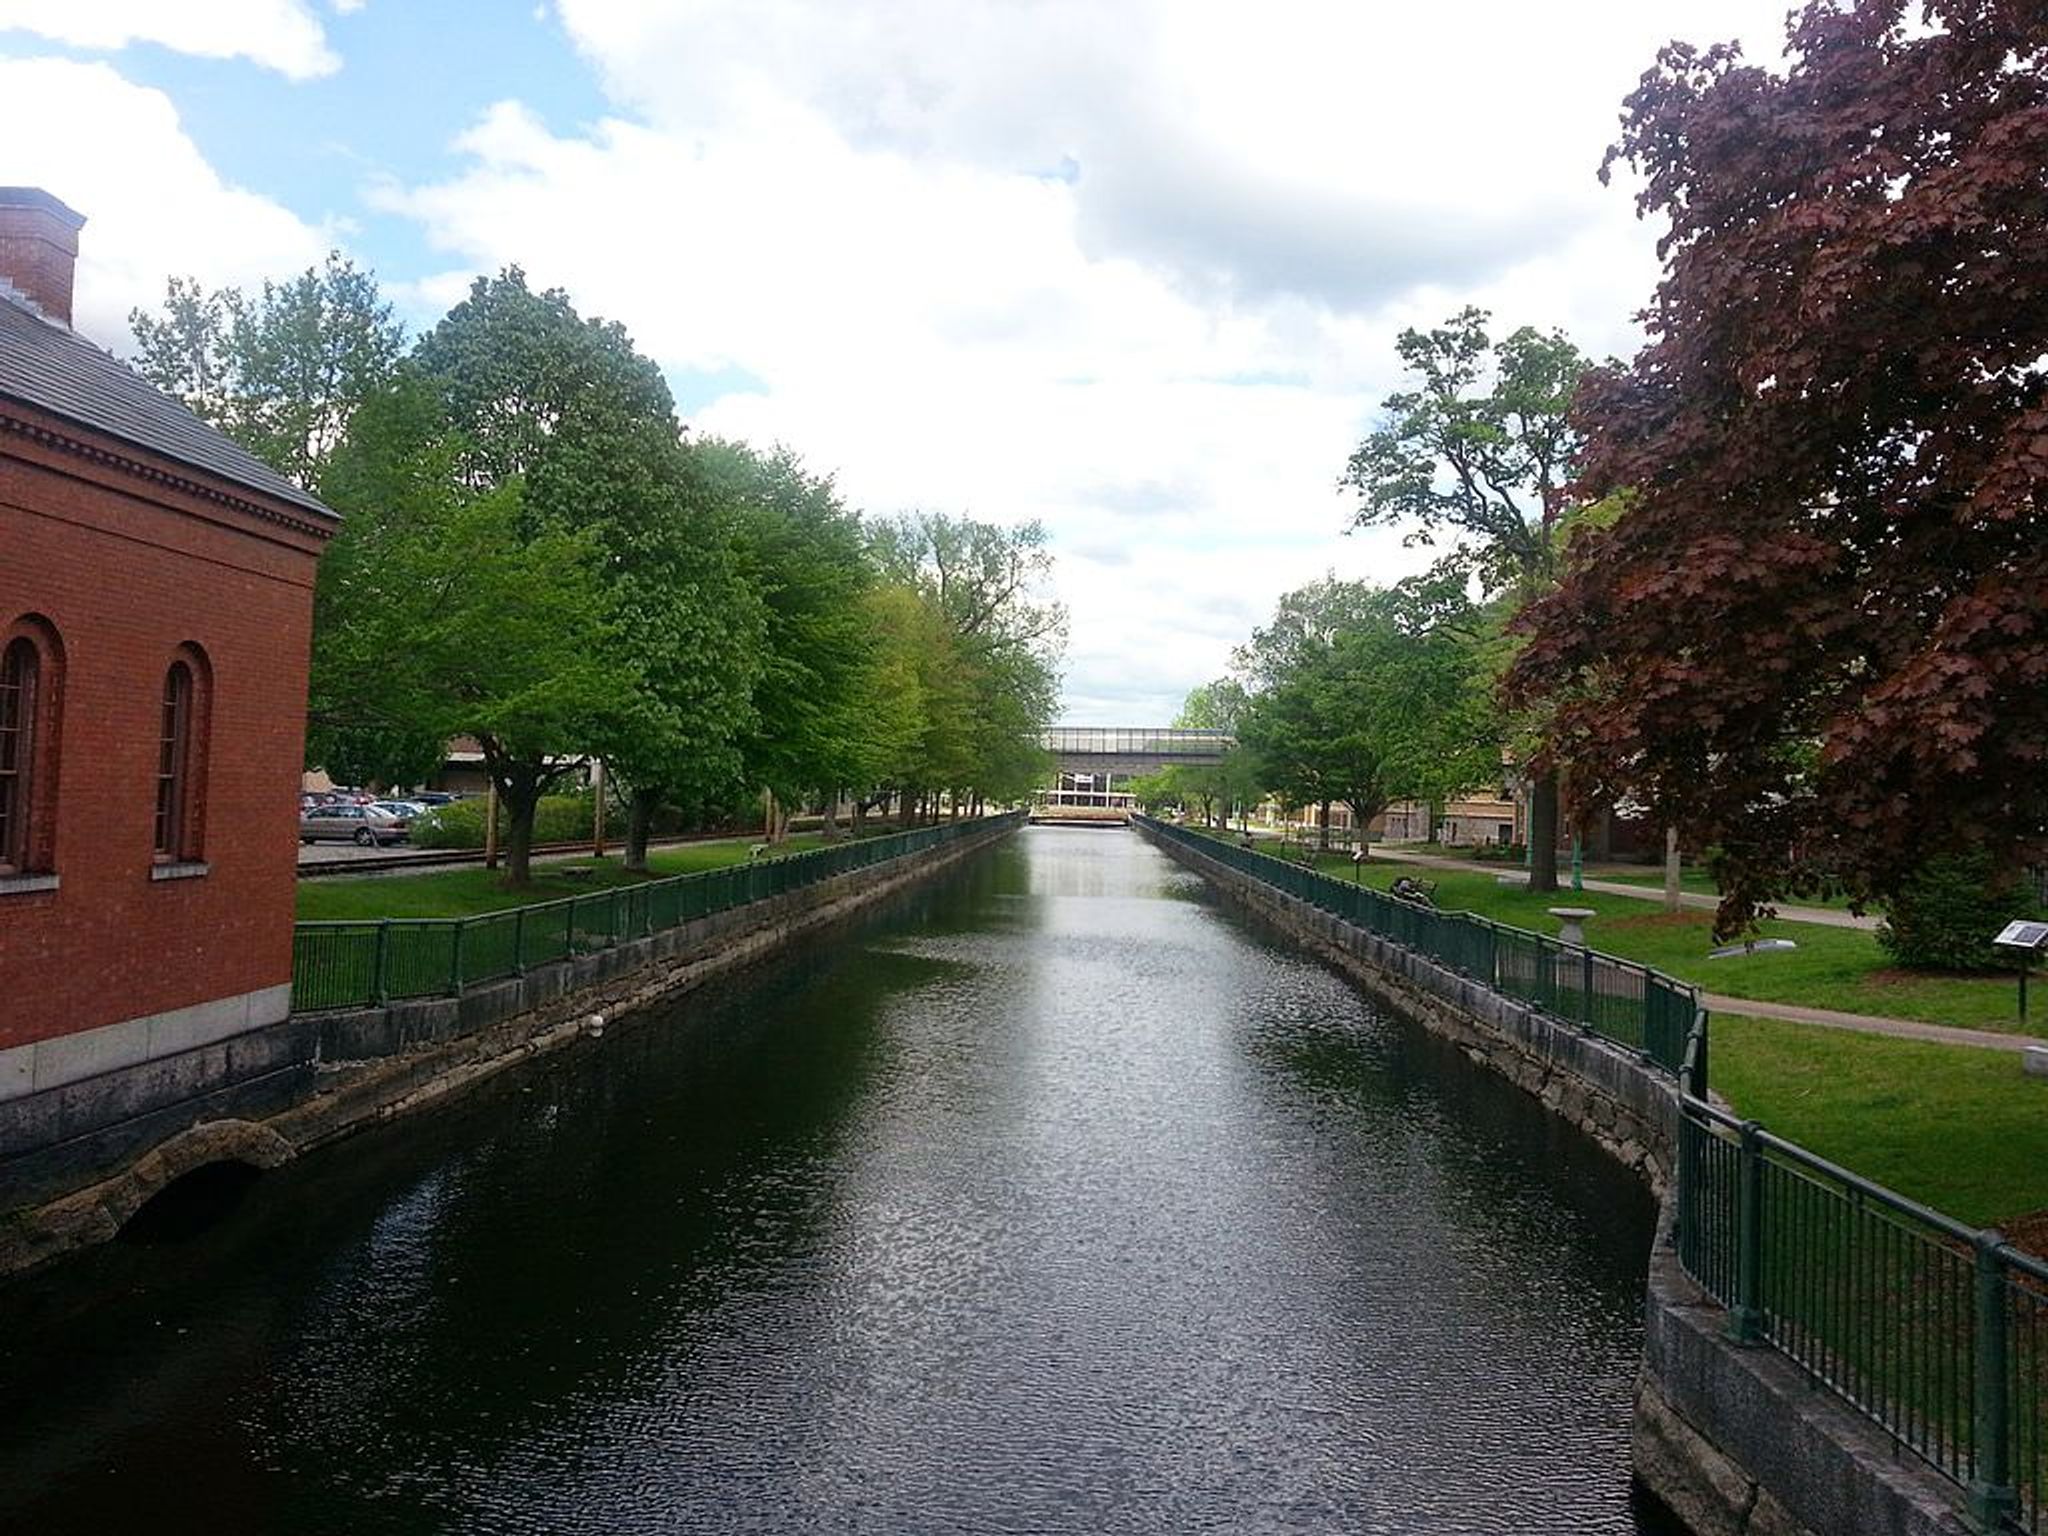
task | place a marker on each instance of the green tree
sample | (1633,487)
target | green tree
(807,554)
(1215,706)
(1393,705)
(986,716)
(1478,453)
(444,614)
(283,372)
(563,408)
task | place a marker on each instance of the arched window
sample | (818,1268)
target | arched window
(31,685)
(181,758)
(20,673)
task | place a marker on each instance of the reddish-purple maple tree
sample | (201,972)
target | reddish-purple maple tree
(1818,633)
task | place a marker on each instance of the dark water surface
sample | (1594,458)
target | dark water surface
(1052,1199)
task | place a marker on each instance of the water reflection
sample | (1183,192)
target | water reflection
(1054,1199)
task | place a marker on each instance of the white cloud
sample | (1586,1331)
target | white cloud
(1134,269)
(283,35)
(153,205)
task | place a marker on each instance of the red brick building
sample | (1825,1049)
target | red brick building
(156,590)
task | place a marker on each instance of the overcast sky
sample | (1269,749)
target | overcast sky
(1130,267)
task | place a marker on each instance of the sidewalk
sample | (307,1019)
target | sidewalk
(1869,1024)
(1756,1008)
(1825,917)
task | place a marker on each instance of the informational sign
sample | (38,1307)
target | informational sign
(2023,935)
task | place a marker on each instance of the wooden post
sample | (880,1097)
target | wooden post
(491,824)
(597,809)
(1672,903)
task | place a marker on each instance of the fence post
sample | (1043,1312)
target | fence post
(380,985)
(1745,1317)
(1993,1499)
(455,959)
(1586,987)
(519,941)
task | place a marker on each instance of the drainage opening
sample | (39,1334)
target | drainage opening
(190,1203)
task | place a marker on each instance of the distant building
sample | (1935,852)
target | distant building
(156,600)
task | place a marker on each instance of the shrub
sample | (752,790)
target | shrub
(1945,917)
(557,819)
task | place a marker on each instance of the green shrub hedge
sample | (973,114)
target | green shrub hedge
(557,819)
(1946,917)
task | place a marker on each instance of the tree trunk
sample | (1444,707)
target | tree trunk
(1323,827)
(829,804)
(520,802)
(1363,837)
(1672,889)
(860,816)
(906,811)
(640,808)
(518,782)
(1543,833)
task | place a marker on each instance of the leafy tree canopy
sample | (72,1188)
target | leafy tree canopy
(281,372)
(1818,635)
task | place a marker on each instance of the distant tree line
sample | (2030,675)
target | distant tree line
(534,554)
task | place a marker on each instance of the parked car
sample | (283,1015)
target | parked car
(433,797)
(365,825)
(404,812)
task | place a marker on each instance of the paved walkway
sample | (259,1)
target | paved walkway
(1756,1008)
(1869,1024)
(1826,917)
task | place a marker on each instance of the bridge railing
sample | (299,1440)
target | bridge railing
(362,963)
(1619,1000)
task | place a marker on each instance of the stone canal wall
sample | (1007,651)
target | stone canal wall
(1736,1441)
(1595,1085)
(75,1164)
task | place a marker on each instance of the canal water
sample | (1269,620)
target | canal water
(1053,1198)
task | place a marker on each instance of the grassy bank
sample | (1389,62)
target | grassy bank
(1840,968)
(1832,968)
(1960,1129)
(465,892)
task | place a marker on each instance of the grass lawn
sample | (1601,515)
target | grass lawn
(1960,1129)
(1839,968)
(463,892)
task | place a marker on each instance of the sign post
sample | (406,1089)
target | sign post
(2025,940)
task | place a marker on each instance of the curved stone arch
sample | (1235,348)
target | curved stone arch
(198,1146)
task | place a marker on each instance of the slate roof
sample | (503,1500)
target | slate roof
(54,369)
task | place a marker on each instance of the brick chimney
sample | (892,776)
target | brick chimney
(39,248)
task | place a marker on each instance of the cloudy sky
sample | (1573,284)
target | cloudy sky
(1130,267)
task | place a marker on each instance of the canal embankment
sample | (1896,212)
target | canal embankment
(391,1018)
(1860,1383)
(1052,1195)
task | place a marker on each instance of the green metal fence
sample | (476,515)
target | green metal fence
(1932,1329)
(1935,1331)
(1617,999)
(356,964)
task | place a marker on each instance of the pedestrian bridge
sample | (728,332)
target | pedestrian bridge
(1094,764)
(1131,750)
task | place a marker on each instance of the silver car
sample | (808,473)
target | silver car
(367,826)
